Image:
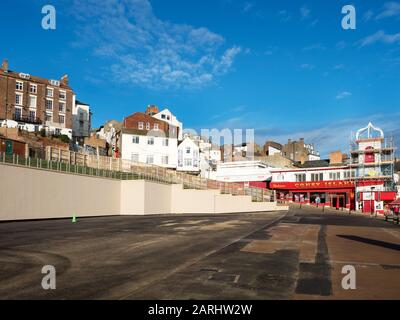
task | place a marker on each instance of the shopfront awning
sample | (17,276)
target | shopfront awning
(395,203)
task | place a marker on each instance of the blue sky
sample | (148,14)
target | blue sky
(284,68)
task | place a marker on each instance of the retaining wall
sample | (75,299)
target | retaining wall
(28,193)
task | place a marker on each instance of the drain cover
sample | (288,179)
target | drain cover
(225,277)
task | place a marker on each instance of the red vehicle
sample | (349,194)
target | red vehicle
(393,211)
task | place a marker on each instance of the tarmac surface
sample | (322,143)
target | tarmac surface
(274,255)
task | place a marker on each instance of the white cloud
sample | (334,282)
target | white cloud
(307,66)
(314,23)
(338,67)
(248,6)
(343,95)
(284,16)
(380,36)
(305,12)
(390,9)
(340,45)
(368,15)
(146,51)
(315,46)
(333,135)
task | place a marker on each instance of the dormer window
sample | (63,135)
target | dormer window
(140,125)
(148,126)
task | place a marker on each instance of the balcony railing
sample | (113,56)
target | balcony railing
(386,145)
(27,119)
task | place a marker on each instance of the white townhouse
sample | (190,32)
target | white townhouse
(81,120)
(167,116)
(188,156)
(145,139)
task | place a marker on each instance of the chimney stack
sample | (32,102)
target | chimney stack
(64,80)
(151,110)
(4,65)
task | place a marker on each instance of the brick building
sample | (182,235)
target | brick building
(300,151)
(32,103)
(146,139)
(271,147)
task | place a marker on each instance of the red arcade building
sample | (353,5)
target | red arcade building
(366,182)
(333,186)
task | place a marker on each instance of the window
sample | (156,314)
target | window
(61,106)
(180,158)
(135,139)
(49,117)
(33,88)
(140,126)
(150,159)
(135,157)
(32,115)
(49,92)
(18,99)
(19,85)
(164,159)
(301,177)
(32,101)
(18,113)
(49,104)
(62,95)
(334,175)
(168,117)
(317,177)
(163,116)
(156,126)
(150,141)
(188,162)
(61,118)
(165,142)
(148,126)
(349,174)
(195,158)
(187,150)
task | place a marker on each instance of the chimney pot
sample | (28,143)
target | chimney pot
(65,79)
(4,65)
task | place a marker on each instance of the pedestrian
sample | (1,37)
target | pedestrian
(318,201)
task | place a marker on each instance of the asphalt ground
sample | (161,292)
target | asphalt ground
(274,255)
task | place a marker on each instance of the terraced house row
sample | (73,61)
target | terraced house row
(34,103)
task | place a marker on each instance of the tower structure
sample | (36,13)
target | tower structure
(372,159)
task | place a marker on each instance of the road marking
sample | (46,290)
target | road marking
(392,232)
(199,258)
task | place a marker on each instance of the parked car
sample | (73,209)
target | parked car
(392,212)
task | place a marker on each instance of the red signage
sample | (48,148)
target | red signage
(379,195)
(312,185)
